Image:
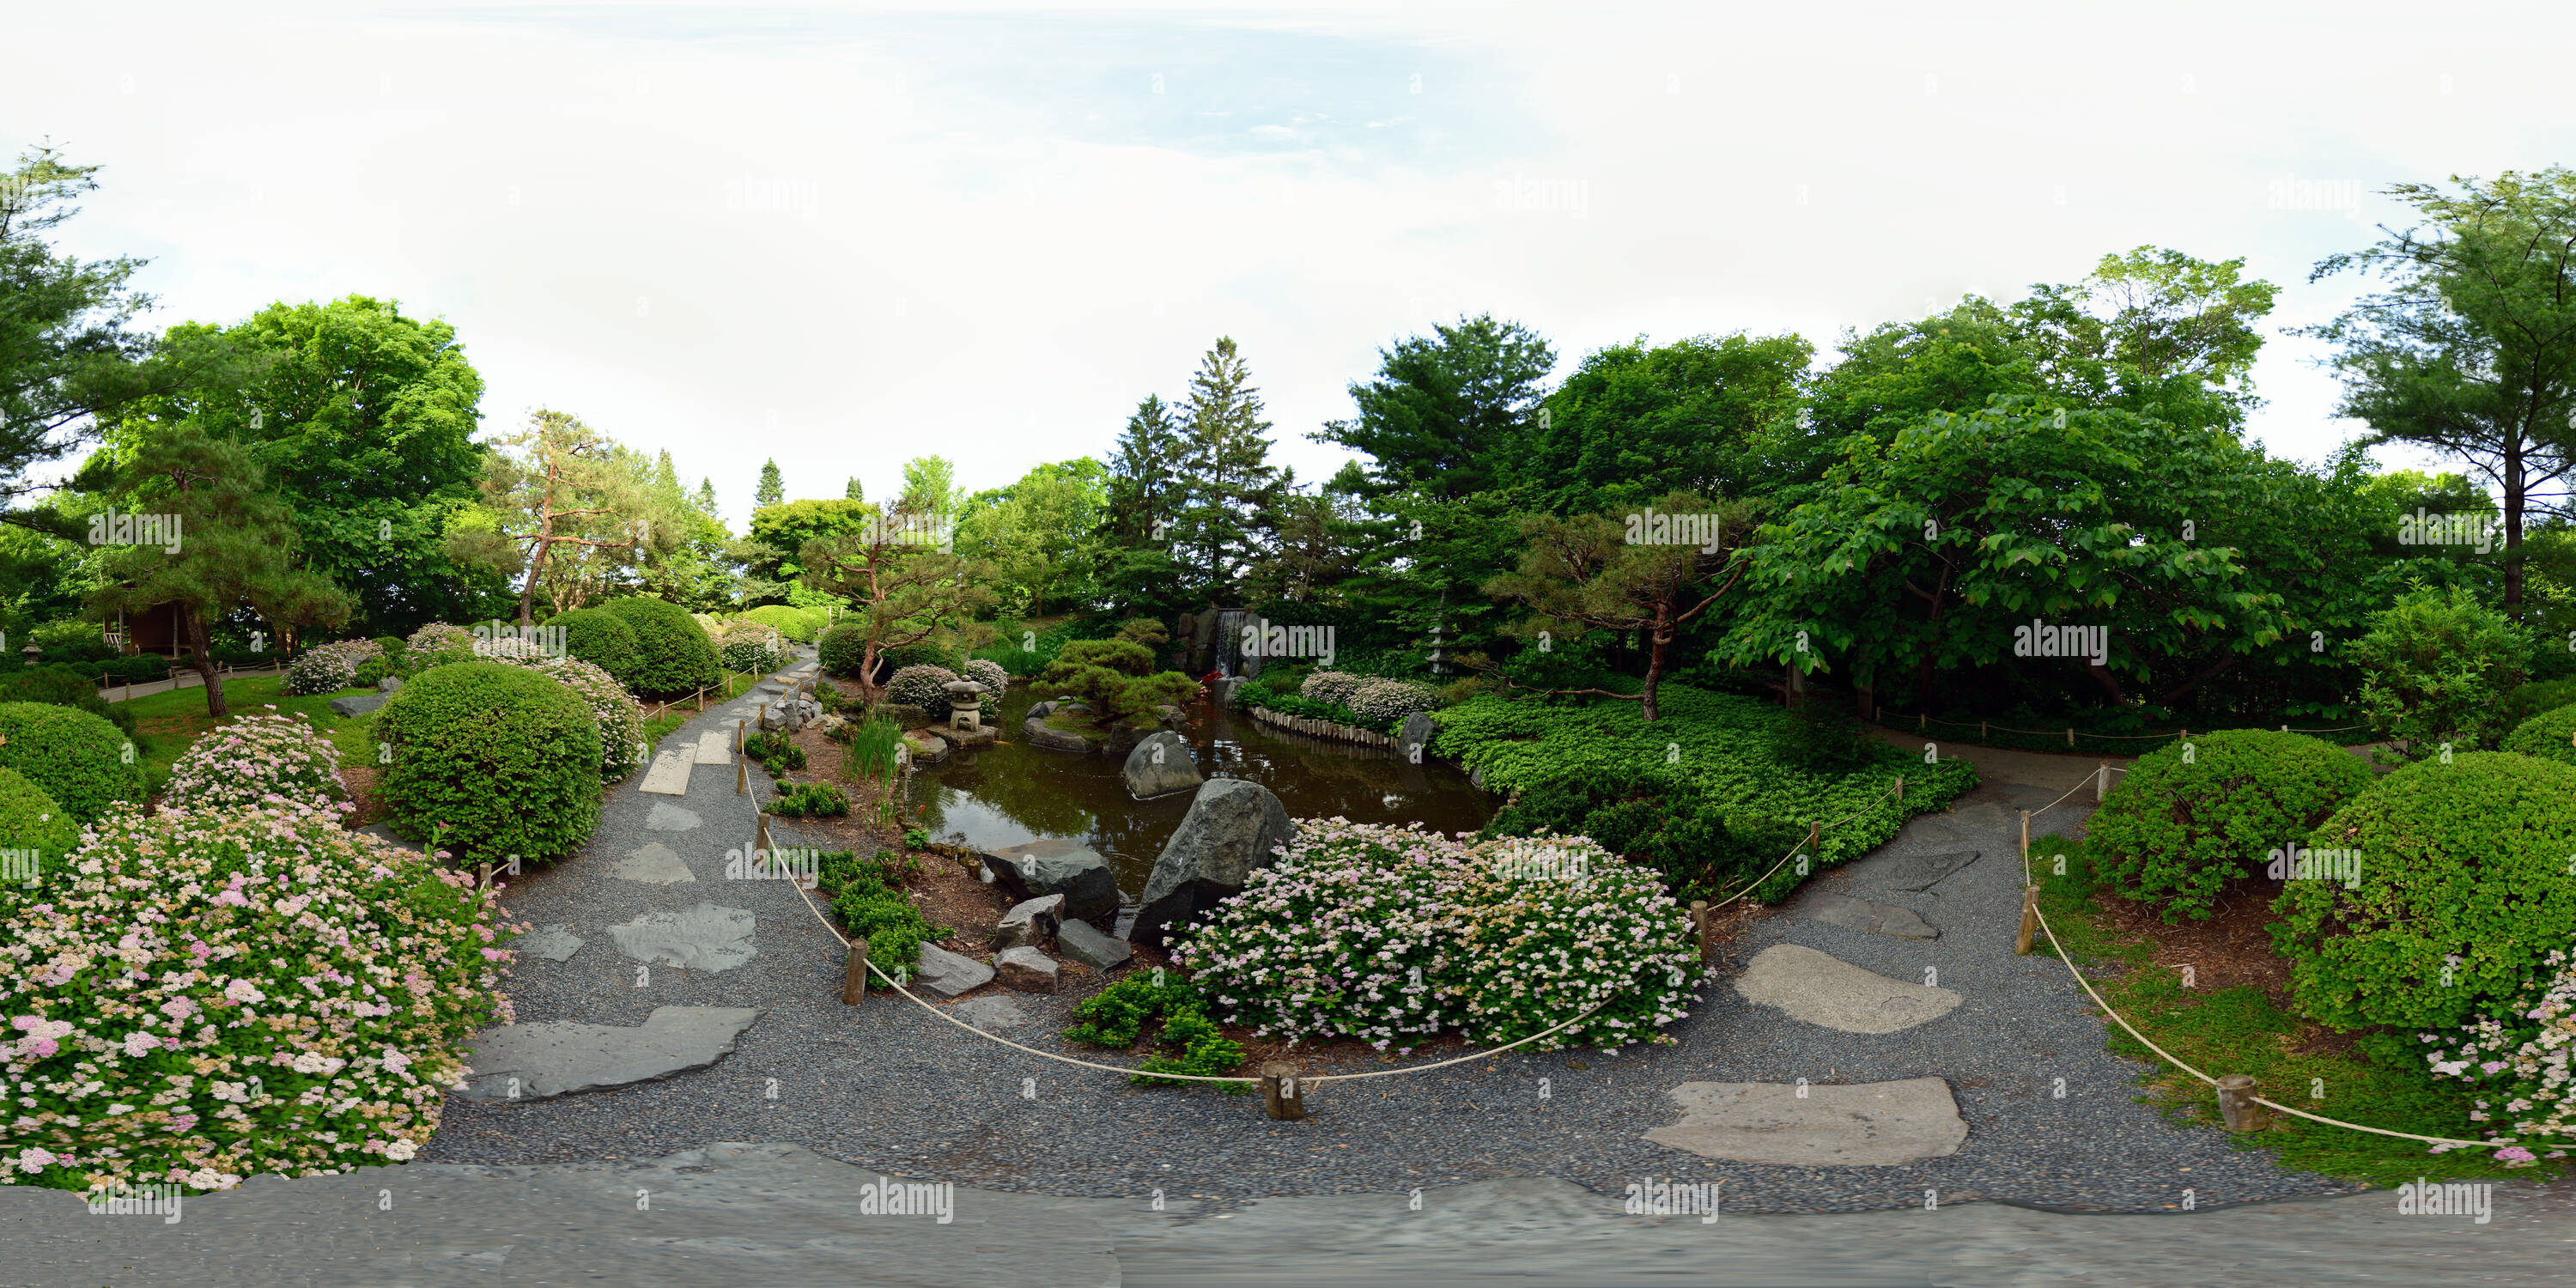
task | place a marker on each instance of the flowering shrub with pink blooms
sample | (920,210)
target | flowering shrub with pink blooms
(329,668)
(216,995)
(436,645)
(259,758)
(622,750)
(2521,1055)
(1391,935)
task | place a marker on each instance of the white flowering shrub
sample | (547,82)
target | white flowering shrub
(508,648)
(621,717)
(218,995)
(1391,935)
(438,644)
(988,673)
(258,759)
(1383,702)
(328,668)
(2520,1057)
(750,646)
(920,686)
(1330,686)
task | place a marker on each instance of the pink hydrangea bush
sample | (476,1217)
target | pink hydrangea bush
(1390,935)
(2521,1056)
(258,759)
(218,995)
(329,668)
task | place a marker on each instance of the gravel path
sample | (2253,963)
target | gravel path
(889,1087)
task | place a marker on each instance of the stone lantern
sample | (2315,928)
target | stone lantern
(965,705)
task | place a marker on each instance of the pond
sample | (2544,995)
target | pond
(1010,793)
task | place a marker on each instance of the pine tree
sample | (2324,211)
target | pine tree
(706,499)
(771,491)
(1226,464)
(854,492)
(1145,496)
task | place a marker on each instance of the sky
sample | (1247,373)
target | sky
(844,236)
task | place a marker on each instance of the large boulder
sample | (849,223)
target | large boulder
(1026,970)
(1160,765)
(946,974)
(1056,865)
(1413,741)
(1088,946)
(1030,923)
(1038,735)
(358,704)
(1232,828)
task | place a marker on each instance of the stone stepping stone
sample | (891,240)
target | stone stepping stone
(667,817)
(1912,872)
(1090,947)
(561,1056)
(555,943)
(1860,914)
(946,974)
(1868,1124)
(1829,992)
(990,1012)
(707,937)
(715,747)
(655,864)
(669,775)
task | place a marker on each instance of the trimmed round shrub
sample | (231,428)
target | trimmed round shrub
(1391,935)
(507,758)
(31,820)
(1381,702)
(77,758)
(372,672)
(2462,890)
(2538,698)
(2190,817)
(920,686)
(843,650)
(600,638)
(794,623)
(2551,735)
(389,644)
(986,673)
(329,668)
(1329,686)
(258,759)
(924,653)
(438,644)
(63,687)
(260,991)
(672,654)
(621,718)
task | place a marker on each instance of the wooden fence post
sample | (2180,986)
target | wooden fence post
(2101,780)
(1281,1097)
(1900,789)
(2029,919)
(2236,1105)
(854,980)
(2070,736)
(2025,837)
(1981,731)
(1816,842)
(1699,927)
(763,843)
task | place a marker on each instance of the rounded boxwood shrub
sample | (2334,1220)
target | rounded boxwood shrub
(621,718)
(2190,817)
(254,758)
(602,639)
(672,653)
(794,623)
(506,757)
(843,650)
(746,645)
(2551,735)
(924,653)
(31,820)
(78,759)
(2462,892)
(258,990)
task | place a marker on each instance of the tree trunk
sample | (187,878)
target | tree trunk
(2110,683)
(2513,501)
(203,648)
(1658,638)
(528,593)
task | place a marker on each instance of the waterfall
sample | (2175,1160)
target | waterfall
(1229,629)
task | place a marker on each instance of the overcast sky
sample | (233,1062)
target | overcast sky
(844,237)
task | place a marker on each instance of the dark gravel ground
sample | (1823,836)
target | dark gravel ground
(888,1087)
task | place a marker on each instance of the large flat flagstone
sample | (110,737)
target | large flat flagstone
(555,943)
(561,1056)
(715,747)
(1825,990)
(1911,872)
(1860,914)
(667,817)
(669,775)
(708,937)
(655,864)
(1869,1124)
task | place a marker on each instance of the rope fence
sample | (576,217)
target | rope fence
(1923,723)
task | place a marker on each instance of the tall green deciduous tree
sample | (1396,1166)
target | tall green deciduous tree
(930,487)
(2472,349)
(1041,533)
(1225,467)
(771,489)
(236,547)
(1702,415)
(779,534)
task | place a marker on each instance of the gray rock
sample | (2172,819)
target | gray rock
(1040,711)
(1413,741)
(555,943)
(1869,1124)
(989,1012)
(655,864)
(561,1057)
(946,974)
(667,817)
(1172,717)
(357,704)
(389,684)
(1077,940)
(927,748)
(1025,970)
(1058,865)
(1232,828)
(1030,923)
(1038,735)
(707,937)
(1828,991)
(1911,871)
(1161,764)
(975,737)
(1860,914)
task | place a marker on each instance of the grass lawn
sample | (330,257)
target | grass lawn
(2240,1029)
(169,722)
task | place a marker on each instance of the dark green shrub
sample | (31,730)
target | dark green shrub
(603,639)
(843,650)
(2533,699)
(672,652)
(371,672)
(2435,668)
(391,644)
(2551,735)
(810,800)
(62,686)
(32,820)
(82,761)
(1116,1016)
(924,653)
(2191,816)
(1823,740)
(774,751)
(2463,888)
(868,896)
(503,755)
(1700,848)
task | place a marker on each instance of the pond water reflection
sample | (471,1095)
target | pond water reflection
(1010,793)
